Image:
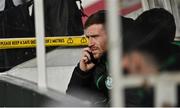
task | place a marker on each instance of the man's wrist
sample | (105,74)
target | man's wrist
(81,72)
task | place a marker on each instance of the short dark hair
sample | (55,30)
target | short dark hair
(158,17)
(98,17)
(155,27)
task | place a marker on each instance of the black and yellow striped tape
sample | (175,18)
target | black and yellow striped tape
(9,43)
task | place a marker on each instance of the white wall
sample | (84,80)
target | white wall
(16,2)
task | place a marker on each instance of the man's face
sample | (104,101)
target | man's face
(138,63)
(97,39)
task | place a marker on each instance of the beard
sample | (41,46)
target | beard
(97,54)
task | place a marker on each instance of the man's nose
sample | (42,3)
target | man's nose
(91,41)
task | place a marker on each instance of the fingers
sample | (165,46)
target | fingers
(85,59)
(87,49)
(85,63)
(85,55)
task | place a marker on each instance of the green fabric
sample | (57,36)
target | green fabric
(171,60)
(97,82)
(176,43)
(140,93)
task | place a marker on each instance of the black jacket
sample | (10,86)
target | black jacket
(84,84)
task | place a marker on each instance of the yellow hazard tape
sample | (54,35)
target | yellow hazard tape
(9,43)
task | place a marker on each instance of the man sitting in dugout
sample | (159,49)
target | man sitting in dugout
(89,72)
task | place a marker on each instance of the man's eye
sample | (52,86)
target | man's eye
(94,36)
(87,37)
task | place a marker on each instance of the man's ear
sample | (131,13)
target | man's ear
(125,61)
(136,62)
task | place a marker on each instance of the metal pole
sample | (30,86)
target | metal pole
(39,25)
(114,43)
(165,93)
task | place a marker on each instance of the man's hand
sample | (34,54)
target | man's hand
(85,64)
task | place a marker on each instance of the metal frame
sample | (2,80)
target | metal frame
(114,53)
(40,48)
